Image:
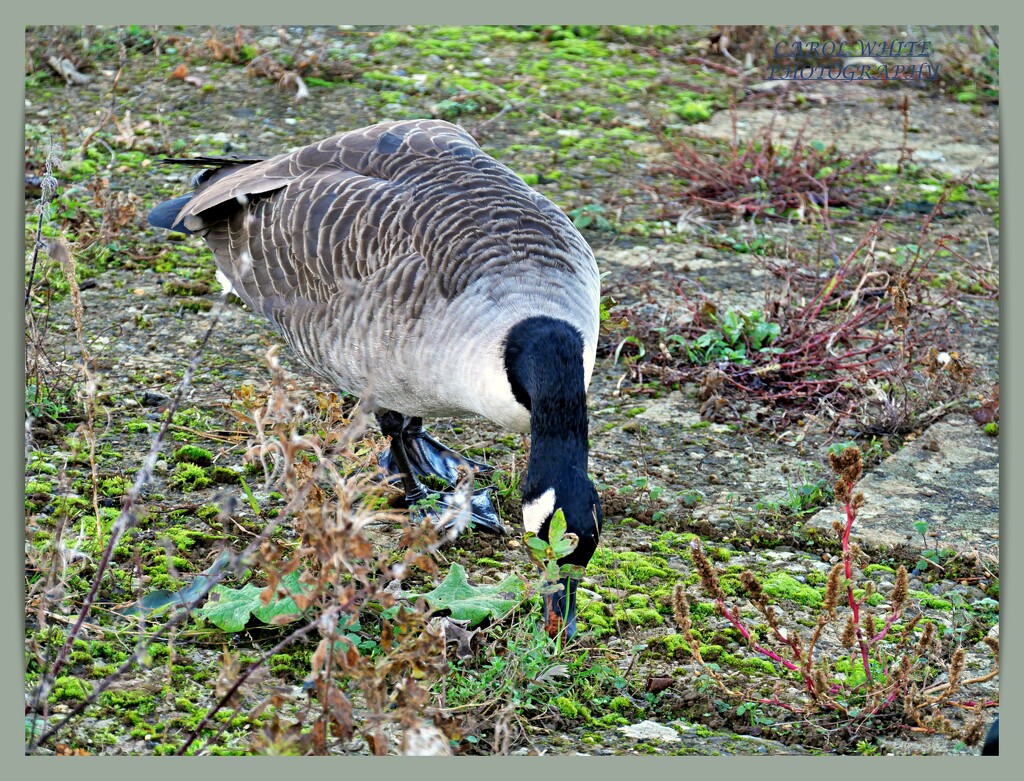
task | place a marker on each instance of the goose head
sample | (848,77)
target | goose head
(544,363)
(575,495)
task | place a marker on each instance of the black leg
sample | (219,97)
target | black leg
(392,424)
(483,516)
(427,456)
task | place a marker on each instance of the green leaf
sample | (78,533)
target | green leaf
(160,599)
(234,606)
(476,603)
(252,499)
(535,542)
(565,546)
(557,527)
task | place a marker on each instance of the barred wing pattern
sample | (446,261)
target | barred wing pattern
(395,259)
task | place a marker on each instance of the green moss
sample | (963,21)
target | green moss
(628,569)
(751,664)
(711,652)
(676,646)
(189,477)
(224,475)
(641,617)
(38,487)
(783,586)
(67,687)
(208,512)
(42,467)
(567,707)
(488,562)
(929,601)
(991,429)
(874,600)
(592,615)
(192,454)
(871,569)
(621,704)
(115,486)
(692,111)
(816,578)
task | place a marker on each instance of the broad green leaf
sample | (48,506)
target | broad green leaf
(476,603)
(233,607)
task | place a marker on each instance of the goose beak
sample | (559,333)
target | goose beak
(560,609)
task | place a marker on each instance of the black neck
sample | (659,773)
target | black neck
(544,363)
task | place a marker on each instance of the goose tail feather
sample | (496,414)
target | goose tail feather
(165,215)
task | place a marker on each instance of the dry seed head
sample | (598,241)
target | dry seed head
(750,582)
(858,500)
(925,641)
(959,369)
(681,608)
(708,577)
(899,591)
(842,492)
(797,643)
(820,681)
(956,668)
(868,624)
(900,303)
(835,580)
(846,463)
(849,632)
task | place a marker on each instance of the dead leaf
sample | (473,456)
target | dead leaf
(988,412)
(180,72)
(195,81)
(659,683)
(457,633)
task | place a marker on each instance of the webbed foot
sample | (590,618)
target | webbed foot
(427,456)
(455,510)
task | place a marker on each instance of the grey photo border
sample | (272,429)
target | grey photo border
(463,12)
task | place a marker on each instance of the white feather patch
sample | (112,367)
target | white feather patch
(538,511)
(225,282)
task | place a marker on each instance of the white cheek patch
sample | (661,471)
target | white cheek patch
(538,511)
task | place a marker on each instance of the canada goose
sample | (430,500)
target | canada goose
(409,268)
